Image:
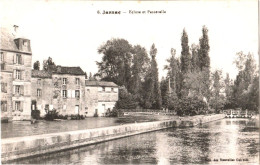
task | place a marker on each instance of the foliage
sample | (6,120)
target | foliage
(51,115)
(185,53)
(245,83)
(139,68)
(173,73)
(113,113)
(228,91)
(35,114)
(195,63)
(95,114)
(217,100)
(152,91)
(164,92)
(36,65)
(116,62)
(126,100)
(204,61)
(49,65)
(203,51)
(190,106)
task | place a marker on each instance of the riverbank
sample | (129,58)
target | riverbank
(20,147)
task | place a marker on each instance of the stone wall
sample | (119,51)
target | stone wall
(99,100)
(11,65)
(6,94)
(67,106)
(91,100)
(51,94)
(45,85)
(15,148)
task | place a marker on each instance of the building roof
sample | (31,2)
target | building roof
(69,70)
(41,74)
(100,83)
(7,41)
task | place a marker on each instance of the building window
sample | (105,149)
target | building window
(2,56)
(77,81)
(3,66)
(18,58)
(39,92)
(103,89)
(64,93)
(77,93)
(4,87)
(18,74)
(17,106)
(18,89)
(112,89)
(39,81)
(88,90)
(24,43)
(4,106)
(64,81)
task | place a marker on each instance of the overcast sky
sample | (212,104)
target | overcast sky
(70,32)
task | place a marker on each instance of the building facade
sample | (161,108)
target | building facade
(16,62)
(65,89)
(62,90)
(101,96)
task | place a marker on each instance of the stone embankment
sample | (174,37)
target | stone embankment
(21,147)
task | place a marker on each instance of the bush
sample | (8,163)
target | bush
(190,106)
(126,100)
(114,113)
(35,114)
(51,115)
(95,115)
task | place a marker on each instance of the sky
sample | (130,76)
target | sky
(71,31)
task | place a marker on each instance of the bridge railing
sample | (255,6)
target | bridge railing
(153,111)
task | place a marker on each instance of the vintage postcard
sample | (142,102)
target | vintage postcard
(129,82)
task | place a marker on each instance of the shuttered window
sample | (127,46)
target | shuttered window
(39,92)
(64,81)
(77,93)
(77,81)
(4,106)
(2,56)
(64,93)
(18,106)
(4,87)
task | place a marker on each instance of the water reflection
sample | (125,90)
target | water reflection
(25,128)
(205,144)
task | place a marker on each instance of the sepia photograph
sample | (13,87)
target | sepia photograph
(129,82)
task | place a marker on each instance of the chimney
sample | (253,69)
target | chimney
(16,28)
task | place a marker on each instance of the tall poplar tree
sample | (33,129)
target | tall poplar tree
(138,69)
(204,59)
(195,63)
(172,73)
(152,90)
(185,53)
(185,63)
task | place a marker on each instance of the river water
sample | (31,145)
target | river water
(227,141)
(25,128)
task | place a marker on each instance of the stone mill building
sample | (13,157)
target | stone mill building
(65,89)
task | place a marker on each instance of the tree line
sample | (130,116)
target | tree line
(189,87)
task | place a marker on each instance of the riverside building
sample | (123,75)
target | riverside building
(16,62)
(65,89)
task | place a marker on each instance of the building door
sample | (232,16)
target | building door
(34,105)
(76,109)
